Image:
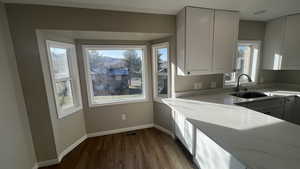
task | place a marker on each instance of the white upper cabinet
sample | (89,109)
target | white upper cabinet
(292,42)
(197,50)
(273,45)
(281,47)
(225,37)
(194,39)
(199,31)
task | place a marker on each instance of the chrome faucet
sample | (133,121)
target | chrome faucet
(237,89)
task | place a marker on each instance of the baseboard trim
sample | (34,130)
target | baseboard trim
(121,130)
(164,130)
(47,163)
(71,147)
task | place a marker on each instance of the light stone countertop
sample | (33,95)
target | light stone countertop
(259,141)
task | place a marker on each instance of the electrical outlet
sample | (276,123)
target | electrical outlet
(213,84)
(124,117)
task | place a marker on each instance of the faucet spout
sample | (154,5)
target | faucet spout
(237,89)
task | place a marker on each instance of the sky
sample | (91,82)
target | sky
(164,52)
(117,53)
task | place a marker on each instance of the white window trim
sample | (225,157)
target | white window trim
(145,97)
(258,44)
(74,76)
(154,71)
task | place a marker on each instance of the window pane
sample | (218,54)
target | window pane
(60,62)
(64,94)
(246,62)
(243,60)
(162,60)
(116,73)
(162,71)
(162,88)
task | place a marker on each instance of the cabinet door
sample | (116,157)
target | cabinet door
(184,131)
(292,42)
(209,155)
(292,109)
(225,40)
(199,38)
(273,58)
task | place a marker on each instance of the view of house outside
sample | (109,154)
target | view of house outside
(116,73)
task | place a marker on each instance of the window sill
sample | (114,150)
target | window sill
(159,99)
(69,112)
(119,102)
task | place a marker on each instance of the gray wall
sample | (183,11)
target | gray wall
(103,118)
(69,129)
(288,76)
(32,17)
(16,146)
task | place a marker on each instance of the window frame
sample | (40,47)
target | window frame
(88,80)
(156,97)
(73,78)
(255,81)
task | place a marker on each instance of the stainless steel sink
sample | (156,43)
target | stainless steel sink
(249,95)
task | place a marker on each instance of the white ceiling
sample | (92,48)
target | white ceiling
(274,8)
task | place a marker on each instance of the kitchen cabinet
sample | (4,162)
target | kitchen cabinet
(209,155)
(206,41)
(225,41)
(281,44)
(184,131)
(274,107)
(273,57)
(292,41)
(292,109)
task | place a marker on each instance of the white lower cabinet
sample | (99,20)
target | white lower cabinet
(184,131)
(209,155)
(206,153)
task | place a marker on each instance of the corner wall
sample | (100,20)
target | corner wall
(16,146)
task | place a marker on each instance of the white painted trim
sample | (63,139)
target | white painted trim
(61,155)
(154,70)
(121,130)
(71,147)
(48,163)
(164,130)
(145,94)
(35,166)
(73,77)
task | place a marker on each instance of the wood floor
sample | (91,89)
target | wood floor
(144,149)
